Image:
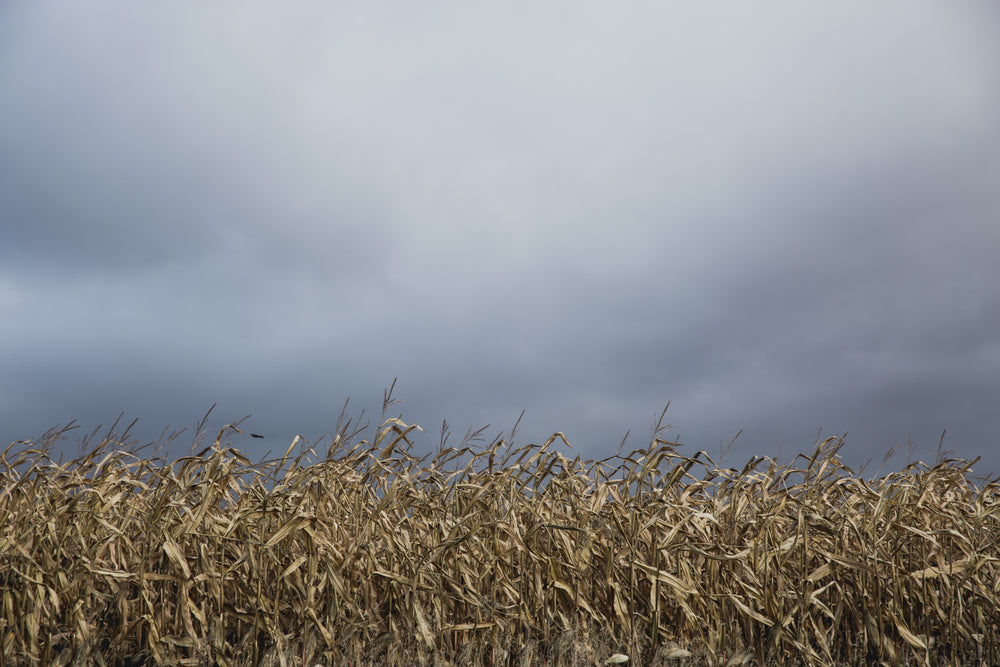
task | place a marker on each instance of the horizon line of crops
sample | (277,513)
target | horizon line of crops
(496,555)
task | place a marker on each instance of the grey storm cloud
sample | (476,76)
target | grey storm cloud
(781,219)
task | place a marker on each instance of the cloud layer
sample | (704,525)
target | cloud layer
(779,220)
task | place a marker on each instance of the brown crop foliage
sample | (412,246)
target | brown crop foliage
(490,555)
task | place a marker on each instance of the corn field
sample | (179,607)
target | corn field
(490,554)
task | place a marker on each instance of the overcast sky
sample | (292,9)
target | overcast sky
(782,217)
